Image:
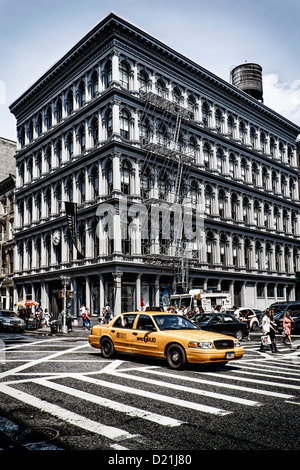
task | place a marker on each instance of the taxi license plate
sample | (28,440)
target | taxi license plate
(230,355)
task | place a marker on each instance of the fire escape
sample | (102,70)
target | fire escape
(165,149)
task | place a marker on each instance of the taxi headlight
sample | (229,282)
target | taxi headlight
(201,345)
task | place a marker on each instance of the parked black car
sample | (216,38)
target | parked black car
(224,323)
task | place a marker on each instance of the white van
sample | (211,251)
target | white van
(196,298)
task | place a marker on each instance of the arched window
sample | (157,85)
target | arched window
(223,249)
(220,160)
(95,182)
(192,148)
(235,245)
(81,187)
(252,137)
(206,155)
(256,211)
(143,80)
(243,169)
(124,74)
(109,176)
(81,239)
(218,118)
(162,185)
(125,177)
(94,87)
(94,129)
(39,125)
(194,193)
(81,94)
(81,138)
(107,75)
(191,103)
(69,189)
(221,203)
(234,207)
(95,239)
(69,102)
(58,110)
(177,96)
(246,209)
(247,253)
(48,117)
(48,157)
(109,123)
(38,205)
(124,124)
(209,247)
(230,125)
(208,200)
(205,114)
(30,131)
(254,173)
(232,165)
(69,145)
(161,89)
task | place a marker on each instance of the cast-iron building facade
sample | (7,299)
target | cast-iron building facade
(122,123)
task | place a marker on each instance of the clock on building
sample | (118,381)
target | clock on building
(56,237)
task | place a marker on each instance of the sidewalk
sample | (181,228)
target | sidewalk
(77,331)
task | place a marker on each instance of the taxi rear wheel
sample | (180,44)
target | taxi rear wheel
(107,348)
(175,355)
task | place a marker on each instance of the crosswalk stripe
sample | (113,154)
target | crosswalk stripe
(157,396)
(116,406)
(196,391)
(263,382)
(68,416)
(225,385)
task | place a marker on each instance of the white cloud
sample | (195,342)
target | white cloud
(284,98)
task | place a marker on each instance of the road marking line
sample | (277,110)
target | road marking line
(263,382)
(195,391)
(156,396)
(37,361)
(263,368)
(116,406)
(72,418)
(225,385)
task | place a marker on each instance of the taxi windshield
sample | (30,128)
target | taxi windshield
(173,322)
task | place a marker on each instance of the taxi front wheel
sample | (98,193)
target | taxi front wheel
(175,355)
(107,348)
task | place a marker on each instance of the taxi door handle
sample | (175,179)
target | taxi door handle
(135,334)
(112,331)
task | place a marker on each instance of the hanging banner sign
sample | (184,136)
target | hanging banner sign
(71,211)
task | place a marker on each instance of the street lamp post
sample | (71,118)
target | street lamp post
(66,280)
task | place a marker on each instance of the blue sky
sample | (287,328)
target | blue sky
(216,34)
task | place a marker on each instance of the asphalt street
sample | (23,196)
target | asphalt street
(58,393)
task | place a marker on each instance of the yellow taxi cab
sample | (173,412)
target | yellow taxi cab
(163,335)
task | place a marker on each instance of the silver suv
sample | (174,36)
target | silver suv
(9,320)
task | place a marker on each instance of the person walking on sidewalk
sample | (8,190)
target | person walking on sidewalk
(47,317)
(87,319)
(266,326)
(287,327)
(273,332)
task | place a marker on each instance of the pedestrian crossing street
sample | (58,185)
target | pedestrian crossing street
(119,393)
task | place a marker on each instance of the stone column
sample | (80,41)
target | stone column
(117,291)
